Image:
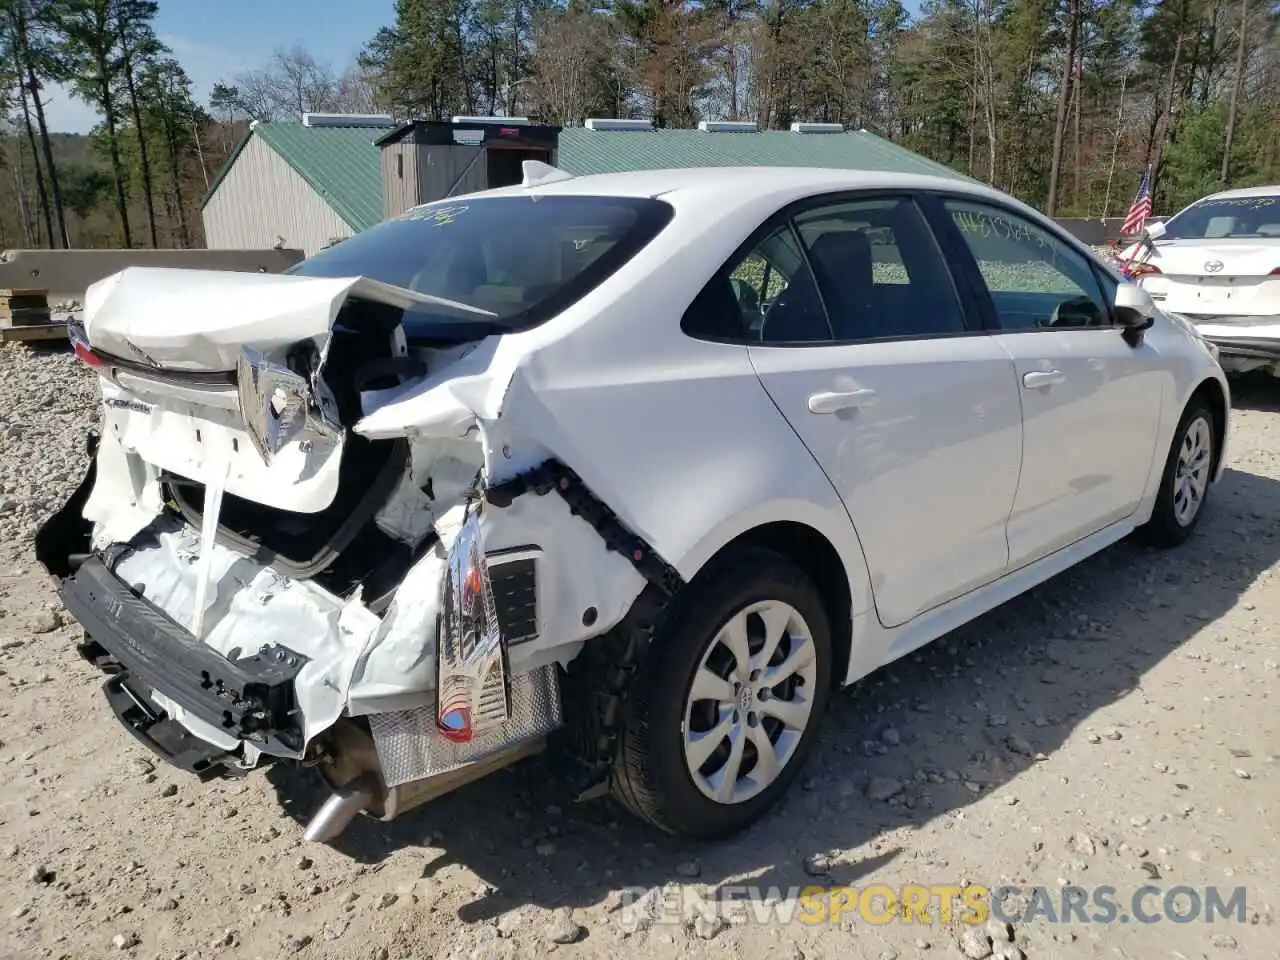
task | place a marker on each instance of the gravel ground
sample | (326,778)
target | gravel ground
(1117,726)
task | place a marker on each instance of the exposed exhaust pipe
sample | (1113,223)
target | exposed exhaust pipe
(352,770)
(340,809)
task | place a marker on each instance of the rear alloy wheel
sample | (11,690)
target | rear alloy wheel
(1184,486)
(724,711)
(750,702)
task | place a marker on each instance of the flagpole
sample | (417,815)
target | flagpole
(1144,246)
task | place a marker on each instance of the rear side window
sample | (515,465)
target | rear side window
(845,271)
(880,271)
(767,295)
(522,258)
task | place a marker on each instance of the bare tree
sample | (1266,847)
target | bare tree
(356,92)
(301,83)
(1064,99)
(292,83)
(138,45)
(571,54)
(1235,91)
(41,192)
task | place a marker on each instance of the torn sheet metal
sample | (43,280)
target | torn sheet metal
(409,513)
(191,439)
(201,319)
(249,607)
(126,493)
(575,573)
(395,669)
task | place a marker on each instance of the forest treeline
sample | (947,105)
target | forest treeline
(1062,103)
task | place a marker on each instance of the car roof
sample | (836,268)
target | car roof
(1271,191)
(781,184)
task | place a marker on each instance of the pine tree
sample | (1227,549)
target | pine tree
(137,47)
(89,60)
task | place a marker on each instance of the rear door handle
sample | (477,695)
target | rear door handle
(835,401)
(1043,379)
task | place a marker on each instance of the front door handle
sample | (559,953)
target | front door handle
(1043,379)
(835,401)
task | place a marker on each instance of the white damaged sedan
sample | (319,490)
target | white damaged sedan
(638,467)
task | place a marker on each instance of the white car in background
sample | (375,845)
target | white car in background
(1217,263)
(637,466)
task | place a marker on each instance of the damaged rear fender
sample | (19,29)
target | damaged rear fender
(581,588)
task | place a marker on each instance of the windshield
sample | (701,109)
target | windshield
(522,258)
(1227,217)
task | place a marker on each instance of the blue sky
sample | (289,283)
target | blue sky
(214,41)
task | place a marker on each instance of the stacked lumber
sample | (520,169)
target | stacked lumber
(24,315)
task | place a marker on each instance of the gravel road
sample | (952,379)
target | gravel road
(1118,726)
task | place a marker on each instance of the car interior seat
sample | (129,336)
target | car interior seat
(842,259)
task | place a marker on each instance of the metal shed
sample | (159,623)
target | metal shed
(305,185)
(297,185)
(427,160)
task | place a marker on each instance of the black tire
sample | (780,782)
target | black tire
(1165,529)
(650,776)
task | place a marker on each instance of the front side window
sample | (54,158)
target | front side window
(523,259)
(1227,218)
(1035,280)
(880,271)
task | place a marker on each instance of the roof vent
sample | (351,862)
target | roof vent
(504,121)
(614,123)
(817,128)
(727,126)
(346,120)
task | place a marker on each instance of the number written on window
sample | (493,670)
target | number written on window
(1035,280)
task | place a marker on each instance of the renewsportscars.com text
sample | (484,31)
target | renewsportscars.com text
(927,904)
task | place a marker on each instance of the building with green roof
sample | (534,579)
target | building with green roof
(306,185)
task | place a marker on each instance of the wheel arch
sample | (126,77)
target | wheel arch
(1214,394)
(817,556)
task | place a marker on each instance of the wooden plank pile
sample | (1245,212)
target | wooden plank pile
(25,315)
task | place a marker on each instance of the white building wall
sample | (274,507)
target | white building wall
(262,200)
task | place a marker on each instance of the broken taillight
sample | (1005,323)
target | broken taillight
(277,406)
(472,585)
(472,691)
(87,355)
(1141,269)
(80,346)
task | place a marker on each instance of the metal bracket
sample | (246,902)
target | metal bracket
(611,660)
(554,475)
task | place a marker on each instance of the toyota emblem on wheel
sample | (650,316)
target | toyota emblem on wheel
(1212,266)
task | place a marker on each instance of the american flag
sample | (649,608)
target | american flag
(1140,209)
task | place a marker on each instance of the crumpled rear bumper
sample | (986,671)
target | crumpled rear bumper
(250,699)
(162,734)
(278,662)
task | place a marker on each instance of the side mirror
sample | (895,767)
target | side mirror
(1135,311)
(1154,230)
